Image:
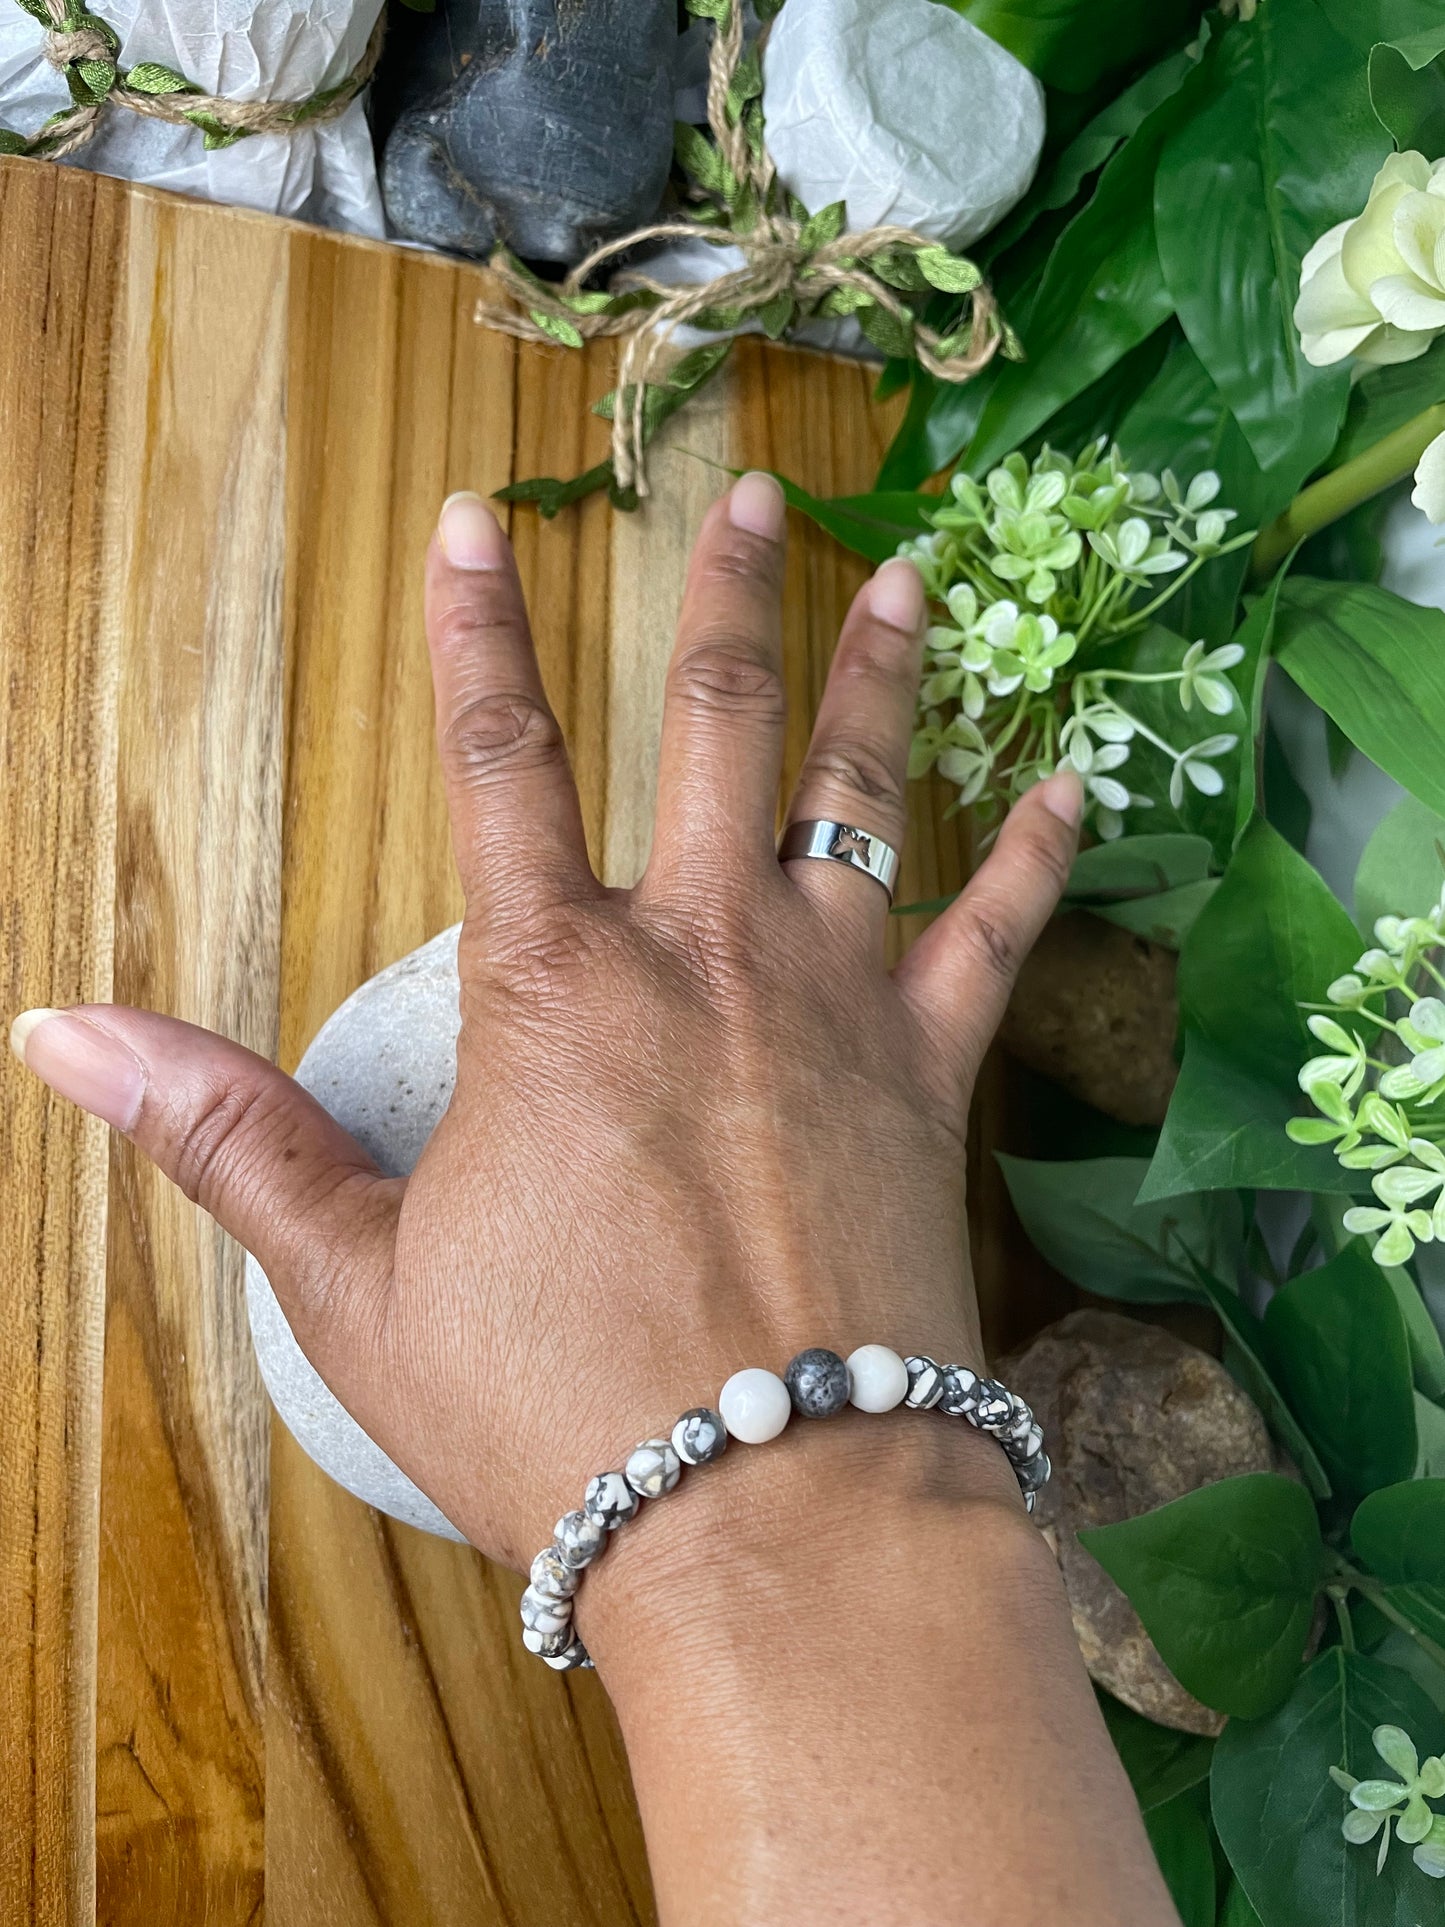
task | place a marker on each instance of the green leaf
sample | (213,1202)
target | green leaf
(217,133)
(558,327)
(1376,664)
(1399,1532)
(149,77)
(701,162)
(1282,146)
(1250,676)
(13,143)
(885,330)
(1166,919)
(1073,44)
(1384,399)
(1179,1834)
(1427,1352)
(1245,1352)
(1235,1910)
(871,525)
(1340,1351)
(1102,293)
(949,272)
(1136,866)
(1407,90)
(1430,1431)
(1270,939)
(1278,1813)
(1082,1216)
(549,494)
(1224,1580)
(824,226)
(1161,1764)
(1402,867)
(1225,1127)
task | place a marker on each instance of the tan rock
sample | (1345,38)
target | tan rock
(1132,1417)
(1095,1009)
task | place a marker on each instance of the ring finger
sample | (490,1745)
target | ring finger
(856,771)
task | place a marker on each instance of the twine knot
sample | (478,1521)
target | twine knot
(794,266)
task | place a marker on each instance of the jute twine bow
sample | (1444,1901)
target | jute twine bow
(780,261)
(84,48)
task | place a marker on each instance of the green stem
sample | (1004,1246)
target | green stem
(1342,1614)
(1344,488)
(1378,1595)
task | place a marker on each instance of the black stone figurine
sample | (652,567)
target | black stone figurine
(544,124)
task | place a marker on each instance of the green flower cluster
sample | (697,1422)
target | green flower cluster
(1378,1093)
(1375,1803)
(1043,573)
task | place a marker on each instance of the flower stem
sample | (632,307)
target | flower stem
(1377,1593)
(1333,495)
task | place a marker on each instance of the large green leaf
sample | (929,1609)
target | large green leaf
(871,525)
(1407,90)
(1179,1834)
(1402,867)
(1073,44)
(1282,147)
(1084,1219)
(1235,1910)
(1399,1532)
(1278,1813)
(1161,1764)
(1246,1352)
(1339,1348)
(1224,1580)
(1256,639)
(1376,664)
(1427,1352)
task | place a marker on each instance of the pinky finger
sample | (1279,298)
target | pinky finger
(962,969)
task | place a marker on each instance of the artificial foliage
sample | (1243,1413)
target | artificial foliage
(1159,519)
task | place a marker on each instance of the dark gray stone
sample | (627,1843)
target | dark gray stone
(545,124)
(817,1382)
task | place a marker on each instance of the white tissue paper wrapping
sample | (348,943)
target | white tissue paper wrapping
(905,111)
(247,50)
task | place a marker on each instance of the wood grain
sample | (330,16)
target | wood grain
(227,439)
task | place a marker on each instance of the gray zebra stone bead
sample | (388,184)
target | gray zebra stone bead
(1028,1447)
(653,1468)
(579,1539)
(817,1382)
(542,1614)
(959,1393)
(1033,1474)
(925,1383)
(546,1645)
(993,1406)
(610,1501)
(700,1436)
(552,1576)
(570,1658)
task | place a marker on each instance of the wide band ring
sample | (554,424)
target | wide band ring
(841,843)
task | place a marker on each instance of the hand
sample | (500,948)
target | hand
(696,1124)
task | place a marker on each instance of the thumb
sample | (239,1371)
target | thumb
(243,1141)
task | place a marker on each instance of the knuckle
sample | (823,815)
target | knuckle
(226,1127)
(474,623)
(993,945)
(726,674)
(862,768)
(1050,856)
(500,731)
(748,563)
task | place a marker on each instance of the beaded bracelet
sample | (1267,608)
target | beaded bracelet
(754,1406)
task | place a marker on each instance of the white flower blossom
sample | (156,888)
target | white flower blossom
(1374,287)
(1199,676)
(1428,494)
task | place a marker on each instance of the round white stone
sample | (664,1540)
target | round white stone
(755,1405)
(880,1378)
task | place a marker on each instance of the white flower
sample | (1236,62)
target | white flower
(1374,287)
(1193,763)
(1344,1067)
(1401,1230)
(1428,493)
(1133,551)
(1197,676)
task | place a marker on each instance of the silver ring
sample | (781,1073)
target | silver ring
(841,843)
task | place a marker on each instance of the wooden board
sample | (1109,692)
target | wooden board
(227,1685)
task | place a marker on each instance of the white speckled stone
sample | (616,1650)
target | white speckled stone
(609,1500)
(755,1405)
(384,1065)
(552,1575)
(579,1539)
(880,1378)
(545,1614)
(653,1468)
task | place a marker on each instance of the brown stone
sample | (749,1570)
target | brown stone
(1095,1009)
(1132,1417)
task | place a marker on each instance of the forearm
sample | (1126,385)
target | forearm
(850,1691)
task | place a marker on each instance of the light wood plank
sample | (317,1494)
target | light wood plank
(195,493)
(59,273)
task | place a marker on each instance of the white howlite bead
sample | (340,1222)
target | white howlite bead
(552,1575)
(579,1539)
(546,1645)
(880,1378)
(544,1614)
(755,1405)
(610,1501)
(653,1468)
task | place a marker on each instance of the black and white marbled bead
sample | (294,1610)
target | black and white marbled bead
(544,1614)
(700,1436)
(925,1383)
(817,1382)
(609,1500)
(579,1539)
(653,1468)
(552,1576)
(959,1394)
(1033,1474)
(571,1657)
(546,1645)
(993,1409)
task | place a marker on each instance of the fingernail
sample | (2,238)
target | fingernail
(80,1062)
(756,504)
(895,595)
(470,534)
(1063,793)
